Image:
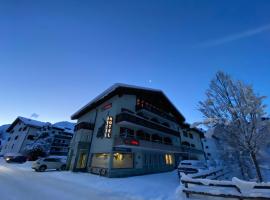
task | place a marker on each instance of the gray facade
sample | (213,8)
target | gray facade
(25,132)
(130,131)
(21,132)
(58,139)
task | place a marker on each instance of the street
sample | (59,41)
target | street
(20,182)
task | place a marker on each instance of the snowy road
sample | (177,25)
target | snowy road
(20,182)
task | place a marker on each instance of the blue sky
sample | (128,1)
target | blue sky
(55,56)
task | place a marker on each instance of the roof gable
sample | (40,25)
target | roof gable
(27,122)
(119,89)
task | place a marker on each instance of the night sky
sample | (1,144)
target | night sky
(55,56)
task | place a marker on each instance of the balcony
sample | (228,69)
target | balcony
(145,145)
(191,150)
(142,122)
(155,111)
(84,125)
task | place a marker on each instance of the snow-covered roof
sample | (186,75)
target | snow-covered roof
(32,122)
(66,126)
(27,121)
(100,98)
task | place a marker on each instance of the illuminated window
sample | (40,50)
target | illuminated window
(100,160)
(168,159)
(123,160)
(108,127)
(118,156)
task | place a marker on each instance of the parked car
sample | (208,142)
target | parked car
(191,166)
(43,164)
(15,158)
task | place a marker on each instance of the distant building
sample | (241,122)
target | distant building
(26,133)
(21,133)
(3,135)
(59,139)
(129,130)
(212,152)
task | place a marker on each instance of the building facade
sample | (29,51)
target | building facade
(26,133)
(128,131)
(58,139)
(21,133)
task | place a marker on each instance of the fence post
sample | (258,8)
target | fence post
(240,198)
(186,186)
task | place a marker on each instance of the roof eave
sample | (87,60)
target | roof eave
(110,91)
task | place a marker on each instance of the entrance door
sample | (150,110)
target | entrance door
(81,163)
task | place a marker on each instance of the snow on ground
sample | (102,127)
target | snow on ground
(20,182)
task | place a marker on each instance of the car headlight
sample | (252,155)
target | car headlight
(7,159)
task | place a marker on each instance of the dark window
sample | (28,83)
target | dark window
(147,137)
(156,138)
(142,115)
(8,139)
(192,145)
(30,137)
(20,129)
(140,135)
(190,135)
(126,132)
(206,147)
(12,146)
(155,120)
(166,124)
(185,144)
(12,131)
(24,129)
(209,154)
(185,134)
(16,137)
(167,141)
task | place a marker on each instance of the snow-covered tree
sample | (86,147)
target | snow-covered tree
(238,111)
(40,147)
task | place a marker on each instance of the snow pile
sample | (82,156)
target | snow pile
(207,172)
(244,186)
(204,181)
(67,185)
(217,187)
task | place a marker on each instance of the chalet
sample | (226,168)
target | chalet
(129,130)
(23,132)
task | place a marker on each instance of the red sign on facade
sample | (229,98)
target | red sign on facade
(107,106)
